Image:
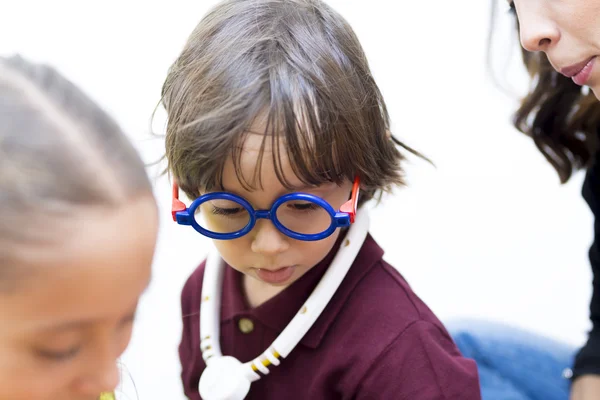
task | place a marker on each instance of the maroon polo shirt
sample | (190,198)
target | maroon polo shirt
(375,339)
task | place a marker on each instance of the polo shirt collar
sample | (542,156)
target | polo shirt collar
(277,312)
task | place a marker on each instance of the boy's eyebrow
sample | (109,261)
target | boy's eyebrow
(323,188)
(307,187)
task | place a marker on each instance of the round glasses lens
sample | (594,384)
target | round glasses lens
(222,216)
(303,217)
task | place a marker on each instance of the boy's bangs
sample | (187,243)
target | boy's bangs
(299,129)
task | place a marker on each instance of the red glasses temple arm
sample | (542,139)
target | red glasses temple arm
(176,205)
(350,206)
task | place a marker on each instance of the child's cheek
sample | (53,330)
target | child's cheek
(236,253)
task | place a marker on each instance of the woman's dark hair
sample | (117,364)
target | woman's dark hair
(563,122)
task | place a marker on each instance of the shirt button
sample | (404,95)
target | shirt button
(567,373)
(246,325)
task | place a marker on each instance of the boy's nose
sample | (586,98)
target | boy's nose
(268,240)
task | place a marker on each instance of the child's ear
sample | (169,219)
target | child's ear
(388,134)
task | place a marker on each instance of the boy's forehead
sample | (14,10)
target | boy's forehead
(257,161)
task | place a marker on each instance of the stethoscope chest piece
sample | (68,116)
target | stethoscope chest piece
(224,379)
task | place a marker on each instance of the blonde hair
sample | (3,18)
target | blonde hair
(59,154)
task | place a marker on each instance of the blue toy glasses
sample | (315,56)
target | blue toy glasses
(301,216)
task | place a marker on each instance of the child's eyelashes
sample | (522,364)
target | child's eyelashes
(240,210)
(303,206)
(227,211)
(59,356)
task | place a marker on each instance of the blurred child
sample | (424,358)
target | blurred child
(78,225)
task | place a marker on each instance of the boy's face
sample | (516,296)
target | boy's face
(265,253)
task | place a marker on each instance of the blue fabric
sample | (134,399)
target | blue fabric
(514,364)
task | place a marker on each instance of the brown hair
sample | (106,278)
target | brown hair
(59,154)
(563,122)
(298,64)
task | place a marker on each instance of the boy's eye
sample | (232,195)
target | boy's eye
(303,206)
(59,356)
(226,211)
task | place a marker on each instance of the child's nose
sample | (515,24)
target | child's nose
(268,240)
(102,373)
(103,378)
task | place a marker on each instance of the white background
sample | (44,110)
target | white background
(489,233)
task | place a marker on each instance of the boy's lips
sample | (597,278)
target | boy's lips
(275,275)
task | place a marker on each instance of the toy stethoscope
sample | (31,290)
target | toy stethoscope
(225,377)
